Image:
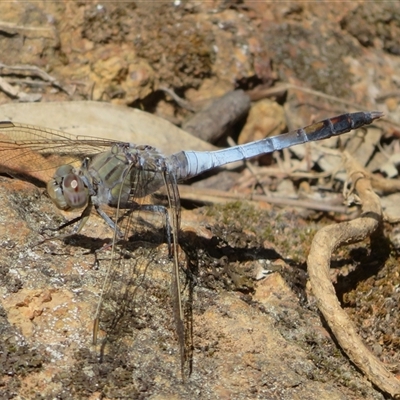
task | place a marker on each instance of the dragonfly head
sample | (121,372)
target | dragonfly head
(67,190)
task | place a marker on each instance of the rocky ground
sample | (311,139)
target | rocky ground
(251,338)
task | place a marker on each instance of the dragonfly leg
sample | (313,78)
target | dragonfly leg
(163,210)
(82,218)
(135,207)
(109,221)
(151,208)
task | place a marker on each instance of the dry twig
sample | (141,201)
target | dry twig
(31,71)
(18,94)
(214,196)
(324,243)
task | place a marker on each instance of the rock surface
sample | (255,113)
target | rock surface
(251,338)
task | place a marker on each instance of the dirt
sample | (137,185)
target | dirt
(261,339)
(252,338)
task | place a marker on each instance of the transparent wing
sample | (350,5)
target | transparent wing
(180,291)
(144,269)
(26,149)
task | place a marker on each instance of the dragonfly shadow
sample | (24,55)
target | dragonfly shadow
(137,303)
(26,178)
(92,244)
(222,265)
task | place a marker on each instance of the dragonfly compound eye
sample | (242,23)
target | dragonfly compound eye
(75,193)
(63,171)
(67,190)
(56,194)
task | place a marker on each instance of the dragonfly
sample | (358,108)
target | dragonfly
(98,172)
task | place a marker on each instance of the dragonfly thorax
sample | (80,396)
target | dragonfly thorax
(67,190)
(125,171)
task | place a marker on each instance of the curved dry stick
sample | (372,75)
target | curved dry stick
(324,243)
